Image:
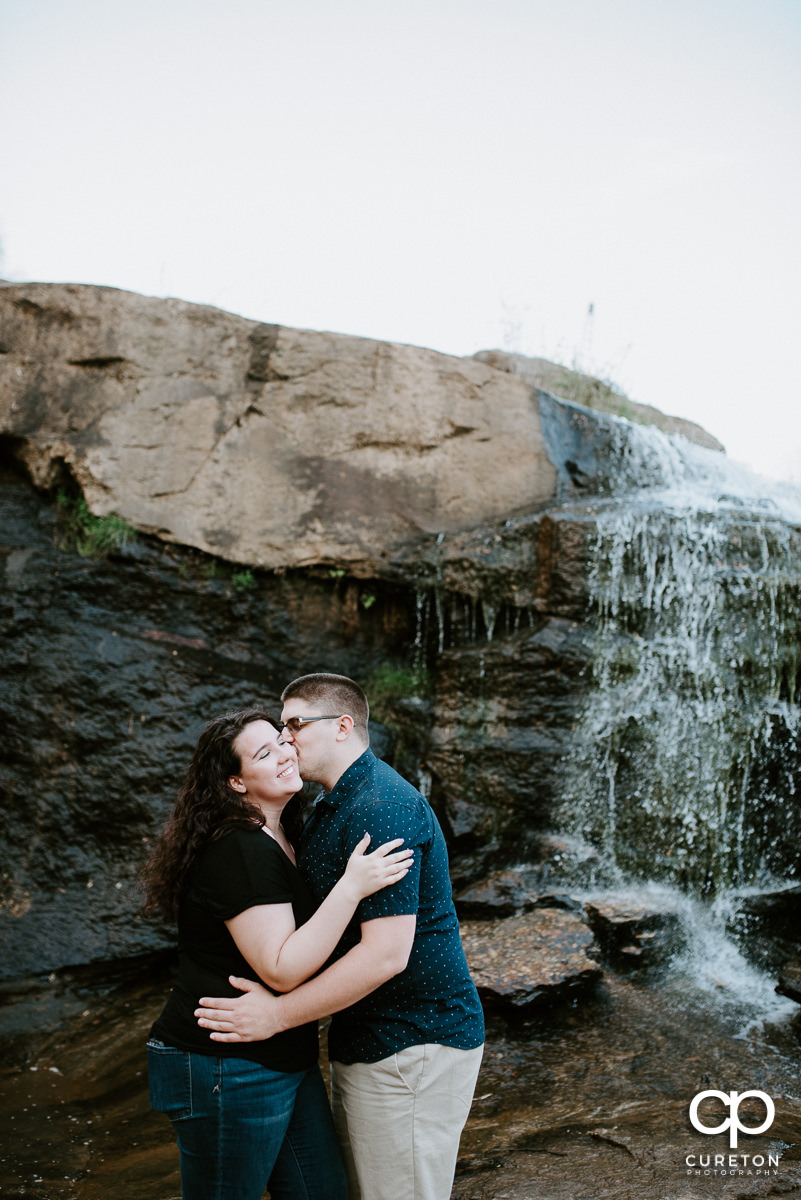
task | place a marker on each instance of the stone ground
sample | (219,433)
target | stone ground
(587,1103)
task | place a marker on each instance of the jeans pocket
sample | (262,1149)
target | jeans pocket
(169,1073)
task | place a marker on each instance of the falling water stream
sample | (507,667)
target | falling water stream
(687,752)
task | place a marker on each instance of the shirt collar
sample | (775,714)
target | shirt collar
(348,780)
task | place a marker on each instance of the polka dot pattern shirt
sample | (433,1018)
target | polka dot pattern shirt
(434,998)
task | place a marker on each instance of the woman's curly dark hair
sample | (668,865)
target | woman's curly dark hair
(205,809)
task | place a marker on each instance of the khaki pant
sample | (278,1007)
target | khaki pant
(399,1121)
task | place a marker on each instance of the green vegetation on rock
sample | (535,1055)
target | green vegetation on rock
(89,535)
(242,580)
(389,683)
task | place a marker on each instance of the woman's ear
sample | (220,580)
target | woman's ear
(236,783)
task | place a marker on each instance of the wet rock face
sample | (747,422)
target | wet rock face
(501,726)
(110,669)
(509,891)
(111,666)
(541,650)
(534,960)
(789,983)
(632,935)
(768,926)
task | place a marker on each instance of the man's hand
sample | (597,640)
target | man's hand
(248,1018)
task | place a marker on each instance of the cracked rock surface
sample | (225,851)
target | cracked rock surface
(261,444)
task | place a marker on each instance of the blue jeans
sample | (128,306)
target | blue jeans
(242,1127)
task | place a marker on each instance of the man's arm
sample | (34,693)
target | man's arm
(283,955)
(382,953)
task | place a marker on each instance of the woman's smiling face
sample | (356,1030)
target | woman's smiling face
(268,770)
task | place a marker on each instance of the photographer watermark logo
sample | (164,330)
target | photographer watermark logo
(732,1164)
(732,1101)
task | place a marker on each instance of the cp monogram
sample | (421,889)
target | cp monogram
(733,1123)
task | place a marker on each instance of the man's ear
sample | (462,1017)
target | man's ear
(344,728)
(236,784)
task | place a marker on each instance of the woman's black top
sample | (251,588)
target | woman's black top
(244,868)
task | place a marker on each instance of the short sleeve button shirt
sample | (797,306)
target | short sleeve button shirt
(434,998)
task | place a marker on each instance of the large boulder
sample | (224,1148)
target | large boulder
(257,443)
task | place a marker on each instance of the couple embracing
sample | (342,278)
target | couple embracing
(363,891)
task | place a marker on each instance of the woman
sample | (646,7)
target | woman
(247,1116)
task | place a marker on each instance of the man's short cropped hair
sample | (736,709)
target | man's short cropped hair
(336,693)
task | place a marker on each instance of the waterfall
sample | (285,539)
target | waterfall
(684,766)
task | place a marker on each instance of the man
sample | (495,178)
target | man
(407,1034)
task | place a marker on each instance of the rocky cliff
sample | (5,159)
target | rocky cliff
(303,501)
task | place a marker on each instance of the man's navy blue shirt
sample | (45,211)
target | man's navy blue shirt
(433,999)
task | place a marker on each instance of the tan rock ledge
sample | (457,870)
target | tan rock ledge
(261,444)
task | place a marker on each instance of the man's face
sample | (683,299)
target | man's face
(315,741)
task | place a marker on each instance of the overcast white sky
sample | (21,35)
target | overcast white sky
(459,174)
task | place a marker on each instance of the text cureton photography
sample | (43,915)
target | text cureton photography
(708,1122)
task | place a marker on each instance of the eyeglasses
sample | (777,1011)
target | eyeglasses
(295,724)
